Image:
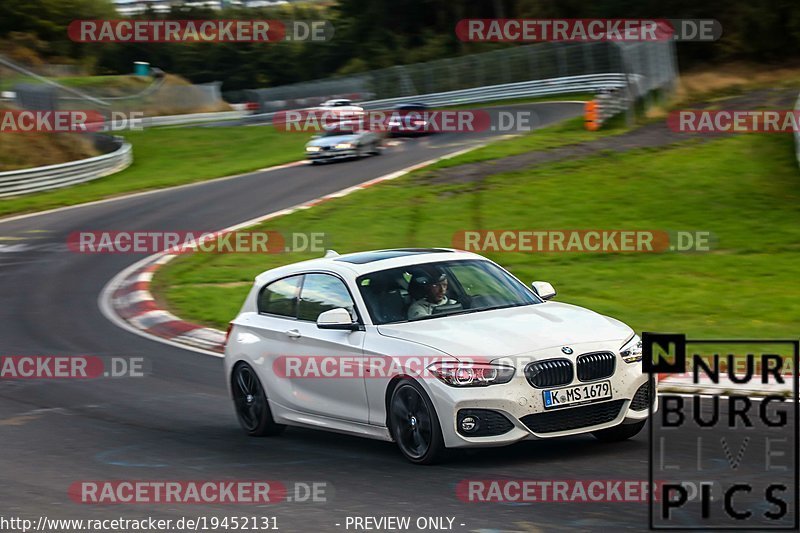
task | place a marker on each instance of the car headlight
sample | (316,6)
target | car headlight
(312,148)
(458,374)
(631,351)
(344,146)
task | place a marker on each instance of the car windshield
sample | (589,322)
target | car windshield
(432,290)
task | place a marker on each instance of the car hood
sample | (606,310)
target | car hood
(512,331)
(332,141)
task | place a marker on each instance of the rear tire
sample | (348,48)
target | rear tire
(414,425)
(376,150)
(250,401)
(619,433)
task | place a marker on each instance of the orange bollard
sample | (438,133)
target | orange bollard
(590,117)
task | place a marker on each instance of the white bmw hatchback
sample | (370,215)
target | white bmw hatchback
(431,349)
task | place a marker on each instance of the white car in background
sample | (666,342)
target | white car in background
(484,360)
(341,104)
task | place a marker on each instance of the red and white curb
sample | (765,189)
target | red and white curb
(127,301)
(133,302)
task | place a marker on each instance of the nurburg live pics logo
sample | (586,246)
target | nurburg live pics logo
(725,460)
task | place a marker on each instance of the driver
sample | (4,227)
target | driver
(432,285)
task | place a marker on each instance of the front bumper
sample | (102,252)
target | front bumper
(522,404)
(330,155)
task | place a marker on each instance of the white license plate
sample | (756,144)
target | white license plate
(590,392)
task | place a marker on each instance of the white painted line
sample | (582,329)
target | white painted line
(234,176)
(152,318)
(135,297)
(104,300)
(146,193)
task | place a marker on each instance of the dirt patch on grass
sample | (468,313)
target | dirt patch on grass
(735,78)
(652,135)
(28,150)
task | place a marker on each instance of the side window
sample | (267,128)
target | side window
(280,297)
(322,292)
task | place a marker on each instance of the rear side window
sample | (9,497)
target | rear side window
(322,292)
(280,297)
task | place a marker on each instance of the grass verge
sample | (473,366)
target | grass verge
(564,133)
(164,157)
(744,189)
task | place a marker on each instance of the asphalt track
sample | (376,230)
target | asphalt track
(177,423)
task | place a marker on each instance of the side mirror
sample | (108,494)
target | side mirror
(338,318)
(543,289)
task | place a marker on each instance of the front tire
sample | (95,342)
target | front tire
(619,433)
(250,401)
(414,424)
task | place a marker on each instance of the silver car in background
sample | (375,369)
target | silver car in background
(342,143)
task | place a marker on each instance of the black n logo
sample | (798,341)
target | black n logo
(664,353)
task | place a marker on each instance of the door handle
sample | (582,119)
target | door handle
(293,334)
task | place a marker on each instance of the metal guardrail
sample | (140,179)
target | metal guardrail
(17,182)
(588,83)
(26,181)
(175,120)
(527,89)
(610,103)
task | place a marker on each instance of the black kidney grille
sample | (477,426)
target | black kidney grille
(643,398)
(596,365)
(574,417)
(549,373)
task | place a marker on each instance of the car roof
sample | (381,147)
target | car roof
(362,258)
(360,263)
